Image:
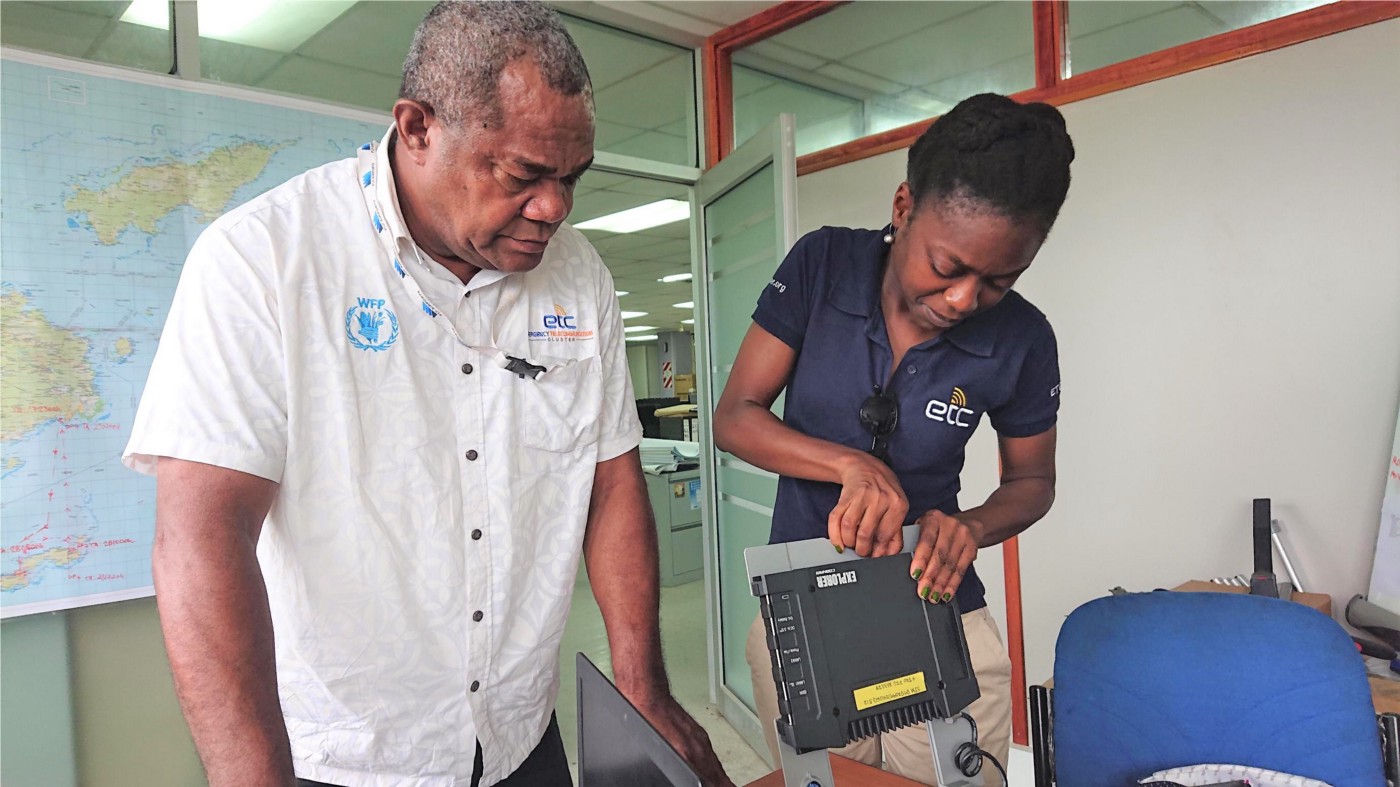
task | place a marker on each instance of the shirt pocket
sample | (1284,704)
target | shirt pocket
(558,411)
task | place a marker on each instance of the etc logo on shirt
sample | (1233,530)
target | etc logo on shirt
(560,327)
(370,326)
(952,411)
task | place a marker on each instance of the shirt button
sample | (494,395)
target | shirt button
(466,368)
(477,616)
(472,455)
(476,684)
(910,369)
(476,535)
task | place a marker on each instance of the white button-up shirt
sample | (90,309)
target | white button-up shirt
(421,551)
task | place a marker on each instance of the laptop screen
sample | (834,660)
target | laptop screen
(616,745)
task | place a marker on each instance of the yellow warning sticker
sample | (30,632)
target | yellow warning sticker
(889,691)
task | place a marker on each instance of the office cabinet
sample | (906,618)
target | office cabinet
(675,499)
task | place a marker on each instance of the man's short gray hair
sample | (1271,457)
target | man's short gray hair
(462,46)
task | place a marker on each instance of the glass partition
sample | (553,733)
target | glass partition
(871,66)
(1104,32)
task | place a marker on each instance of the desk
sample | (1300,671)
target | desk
(847,773)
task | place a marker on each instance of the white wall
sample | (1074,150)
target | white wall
(646,370)
(1225,284)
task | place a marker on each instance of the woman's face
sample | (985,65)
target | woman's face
(952,259)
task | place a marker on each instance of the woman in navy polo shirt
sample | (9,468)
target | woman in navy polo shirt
(892,344)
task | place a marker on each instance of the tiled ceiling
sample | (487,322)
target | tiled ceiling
(638,259)
(890,62)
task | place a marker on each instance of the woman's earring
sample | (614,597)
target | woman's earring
(889,236)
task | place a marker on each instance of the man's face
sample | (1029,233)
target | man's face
(493,197)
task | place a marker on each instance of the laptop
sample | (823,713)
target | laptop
(616,746)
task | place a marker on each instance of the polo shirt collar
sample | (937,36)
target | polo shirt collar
(387,195)
(856,290)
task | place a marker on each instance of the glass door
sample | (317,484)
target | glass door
(745,222)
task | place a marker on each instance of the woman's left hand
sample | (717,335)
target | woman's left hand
(947,546)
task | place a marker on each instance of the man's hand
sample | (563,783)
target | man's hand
(869,516)
(947,546)
(687,737)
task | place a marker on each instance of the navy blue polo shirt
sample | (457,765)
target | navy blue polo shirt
(824,303)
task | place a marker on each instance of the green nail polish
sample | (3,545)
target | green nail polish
(918,572)
(925,593)
(947,597)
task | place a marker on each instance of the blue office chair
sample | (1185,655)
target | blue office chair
(1150,681)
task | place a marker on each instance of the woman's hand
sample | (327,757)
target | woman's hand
(947,546)
(869,516)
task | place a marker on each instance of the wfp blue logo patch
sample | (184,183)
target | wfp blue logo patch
(370,326)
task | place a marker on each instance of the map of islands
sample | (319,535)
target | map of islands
(94,175)
(147,193)
(44,371)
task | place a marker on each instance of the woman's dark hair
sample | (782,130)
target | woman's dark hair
(995,154)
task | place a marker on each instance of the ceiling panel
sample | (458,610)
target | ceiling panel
(334,82)
(372,36)
(1005,77)
(1139,37)
(861,79)
(49,28)
(865,25)
(227,62)
(651,96)
(613,56)
(1235,14)
(1091,17)
(719,12)
(775,50)
(991,34)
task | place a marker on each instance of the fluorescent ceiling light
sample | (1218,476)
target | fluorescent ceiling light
(148,13)
(280,27)
(621,293)
(686,305)
(687,322)
(675,277)
(633,328)
(640,218)
(649,337)
(633,315)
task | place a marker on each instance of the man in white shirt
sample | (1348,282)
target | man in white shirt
(389,409)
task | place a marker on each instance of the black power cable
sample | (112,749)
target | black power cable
(969,757)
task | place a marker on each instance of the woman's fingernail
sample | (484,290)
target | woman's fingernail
(947,597)
(918,572)
(840,549)
(925,593)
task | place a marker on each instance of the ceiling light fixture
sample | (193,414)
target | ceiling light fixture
(148,13)
(649,337)
(686,305)
(687,322)
(621,293)
(635,328)
(279,28)
(640,218)
(633,315)
(675,277)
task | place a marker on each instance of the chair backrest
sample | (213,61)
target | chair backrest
(1160,680)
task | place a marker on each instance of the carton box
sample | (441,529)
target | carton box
(1318,601)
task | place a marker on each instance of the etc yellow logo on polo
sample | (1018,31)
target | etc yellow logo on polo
(952,412)
(561,326)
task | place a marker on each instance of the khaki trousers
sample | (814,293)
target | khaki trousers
(906,752)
